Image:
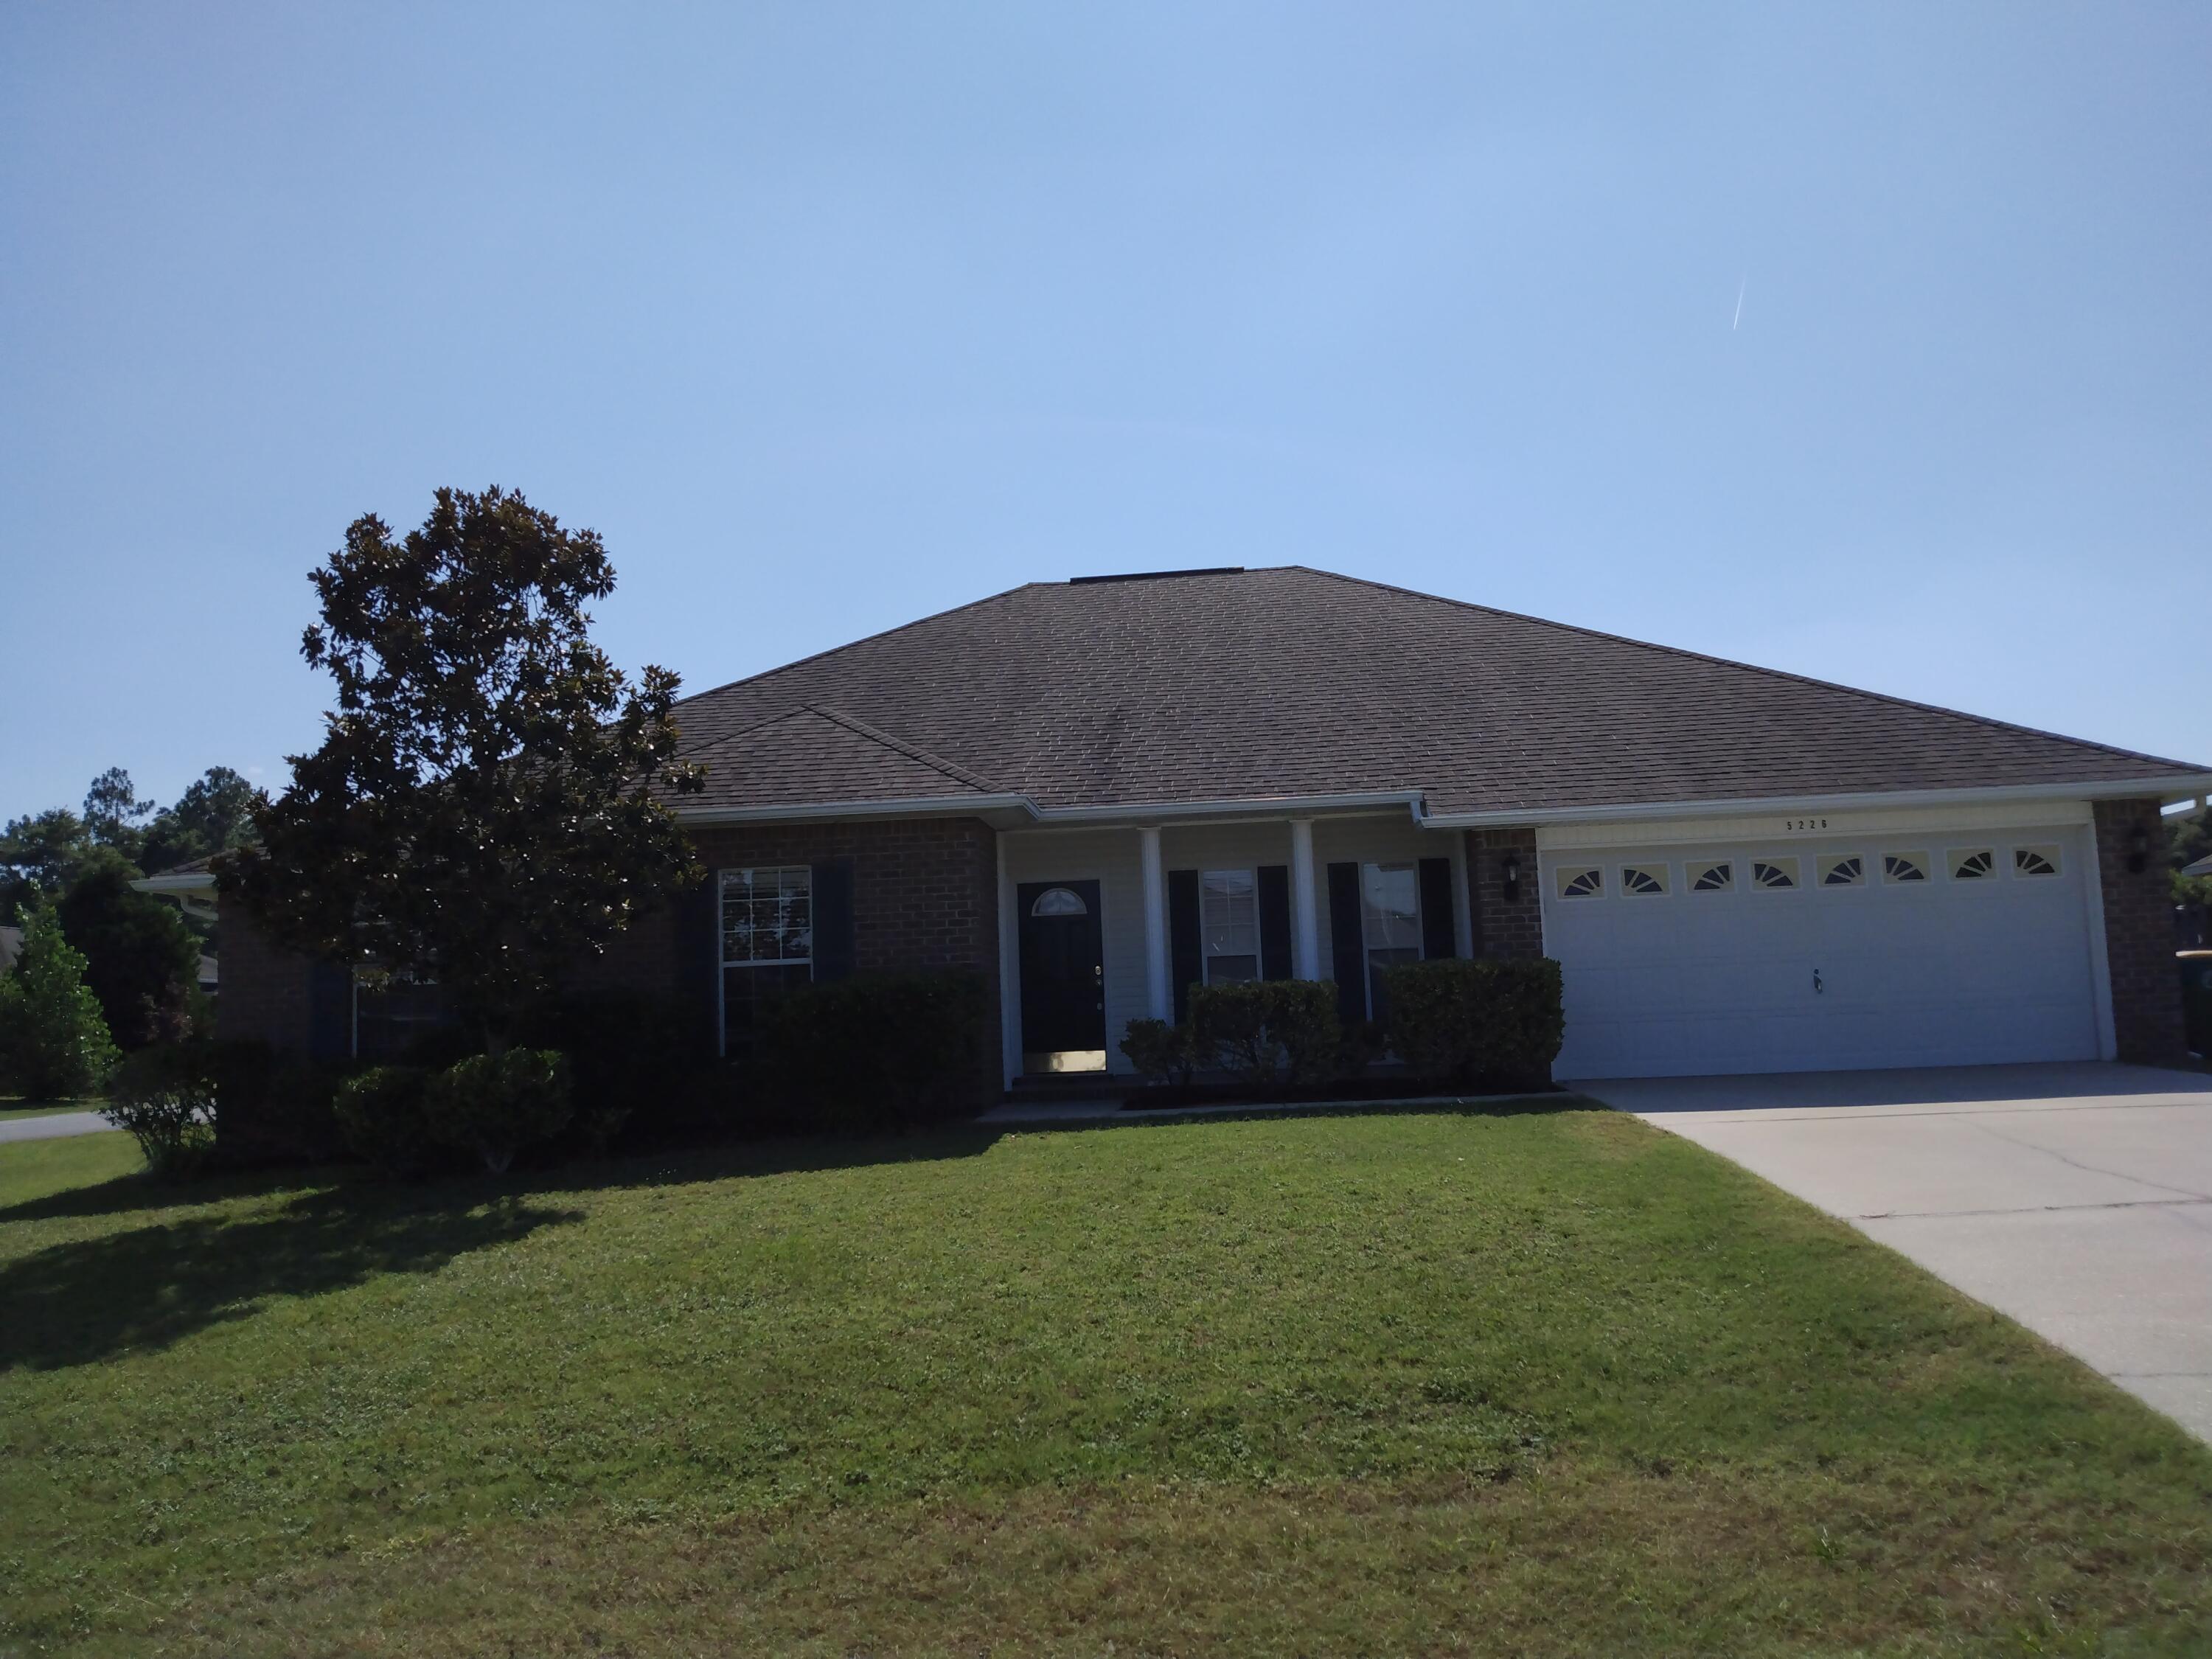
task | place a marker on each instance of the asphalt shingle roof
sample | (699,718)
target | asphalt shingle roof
(1295,682)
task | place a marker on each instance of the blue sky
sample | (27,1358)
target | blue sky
(827,316)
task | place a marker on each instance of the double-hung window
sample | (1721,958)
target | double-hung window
(1390,922)
(1228,920)
(391,1015)
(768,945)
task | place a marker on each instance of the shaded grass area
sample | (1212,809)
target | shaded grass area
(1543,1382)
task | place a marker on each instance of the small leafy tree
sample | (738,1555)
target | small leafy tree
(141,960)
(497,1105)
(487,803)
(54,1043)
(166,1097)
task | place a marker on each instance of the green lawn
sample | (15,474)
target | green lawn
(1547,1383)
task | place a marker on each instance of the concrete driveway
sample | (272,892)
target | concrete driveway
(2076,1199)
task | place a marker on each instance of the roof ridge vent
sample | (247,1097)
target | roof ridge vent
(1158,575)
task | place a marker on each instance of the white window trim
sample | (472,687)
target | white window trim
(353,1010)
(1868,872)
(1693,868)
(1366,946)
(1927,872)
(1751,869)
(1259,943)
(722,963)
(1999,857)
(1562,872)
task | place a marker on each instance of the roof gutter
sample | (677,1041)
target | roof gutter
(197,881)
(2180,786)
(1021,806)
(1021,811)
(926,806)
(1288,806)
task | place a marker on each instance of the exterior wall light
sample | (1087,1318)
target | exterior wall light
(1509,876)
(2138,849)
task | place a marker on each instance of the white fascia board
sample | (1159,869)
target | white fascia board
(918,807)
(1027,811)
(1263,807)
(2164,788)
(200,881)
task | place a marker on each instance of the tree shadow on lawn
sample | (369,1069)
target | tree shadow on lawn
(148,1287)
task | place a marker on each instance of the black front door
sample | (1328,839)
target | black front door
(1063,977)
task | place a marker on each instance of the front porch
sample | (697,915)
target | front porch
(1101,924)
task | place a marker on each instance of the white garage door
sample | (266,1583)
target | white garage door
(1915,949)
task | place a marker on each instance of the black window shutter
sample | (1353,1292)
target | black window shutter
(1186,962)
(1439,936)
(1346,951)
(833,920)
(699,959)
(1275,921)
(329,1011)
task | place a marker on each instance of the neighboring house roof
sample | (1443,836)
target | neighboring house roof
(1249,686)
(11,947)
(194,876)
(2202,867)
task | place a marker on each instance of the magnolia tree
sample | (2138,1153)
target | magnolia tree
(489,799)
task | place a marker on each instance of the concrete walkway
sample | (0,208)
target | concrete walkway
(2075,1198)
(53,1126)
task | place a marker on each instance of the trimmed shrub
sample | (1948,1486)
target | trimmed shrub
(1261,1028)
(1461,1021)
(1358,1046)
(875,1052)
(630,1059)
(495,1105)
(54,1044)
(1162,1053)
(383,1114)
(276,1110)
(166,1097)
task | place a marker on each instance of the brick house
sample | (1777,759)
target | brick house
(1100,792)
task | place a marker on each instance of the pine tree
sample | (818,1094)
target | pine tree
(54,1044)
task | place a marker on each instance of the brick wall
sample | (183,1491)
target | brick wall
(924,891)
(2138,932)
(264,993)
(925,895)
(1503,926)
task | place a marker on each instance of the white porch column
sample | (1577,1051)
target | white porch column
(1010,977)
(1305,908)
(1160,995)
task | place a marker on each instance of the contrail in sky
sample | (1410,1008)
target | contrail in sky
(1740,288)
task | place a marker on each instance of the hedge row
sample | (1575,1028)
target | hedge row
(1495,1025)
